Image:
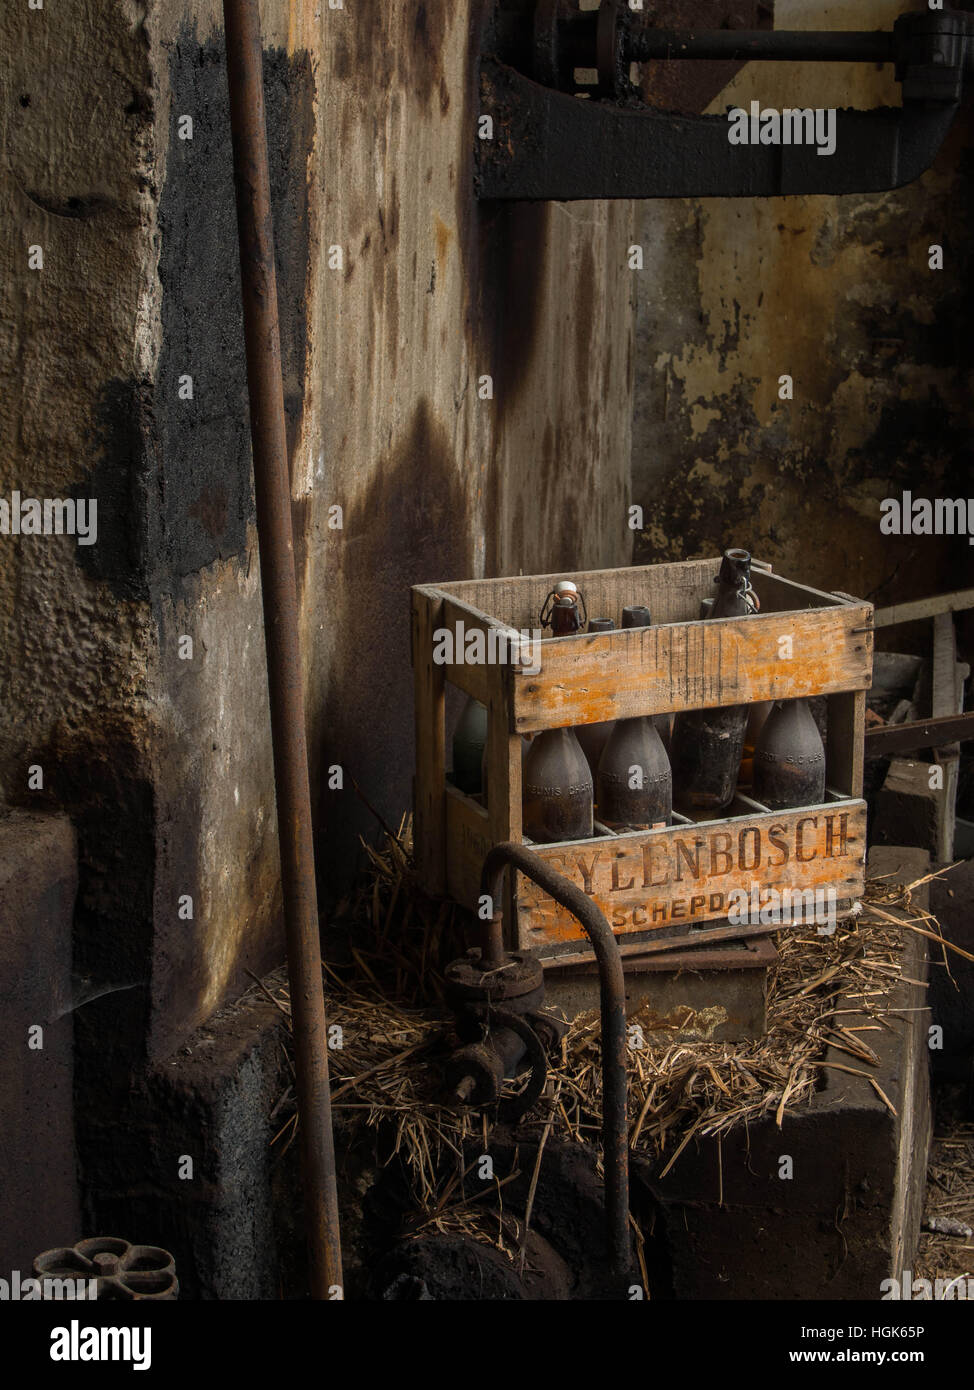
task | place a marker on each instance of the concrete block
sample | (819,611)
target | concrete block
(849,1216)
(907,810)
(191,1169)
(39,1203)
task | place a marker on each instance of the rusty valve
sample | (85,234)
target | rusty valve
(122,1271)
(502,1019)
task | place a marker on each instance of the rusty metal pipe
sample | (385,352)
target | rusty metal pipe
(273,495)
(612,998)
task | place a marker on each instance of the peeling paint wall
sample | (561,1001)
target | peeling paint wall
(837,293)
(398,296)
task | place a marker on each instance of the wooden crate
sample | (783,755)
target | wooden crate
(646,882)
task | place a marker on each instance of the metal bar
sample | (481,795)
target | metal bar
(551,145)
(284,674)
(492,941)
(920,733)
(612,992)
(759,45)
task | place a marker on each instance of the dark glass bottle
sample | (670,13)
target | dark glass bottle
(706,745)
(469,741)
(557,789)
(564,609)
(594,737)
(789,758)
(634,754)
(757,714)
(637,615)
(634,787)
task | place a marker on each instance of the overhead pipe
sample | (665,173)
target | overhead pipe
(612,1000)
(284,676)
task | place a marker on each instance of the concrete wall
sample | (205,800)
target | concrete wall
(837,293)
(164,763)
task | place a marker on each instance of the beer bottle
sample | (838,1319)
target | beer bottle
(706,745)
(469,742)
(789,758)
(564,609)
(634,787)
(594,737)
(557,789)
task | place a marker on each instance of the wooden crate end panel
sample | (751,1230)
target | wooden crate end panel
(684,874)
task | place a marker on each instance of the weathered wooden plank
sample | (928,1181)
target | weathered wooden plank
(780,595)
(948,699)
(429,826)
(672,592)
(924,608)
(916,734)
(467,842)
(612,675)
(503,765)
(654,880)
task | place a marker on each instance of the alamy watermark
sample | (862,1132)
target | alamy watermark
(924,516)
(927,1290)
(768,126)
(17,1289)
(50,516)
(492,646)
(774,907)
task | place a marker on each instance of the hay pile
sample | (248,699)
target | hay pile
(824,992)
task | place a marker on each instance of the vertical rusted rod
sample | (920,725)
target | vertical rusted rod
(612,998)
(273,495)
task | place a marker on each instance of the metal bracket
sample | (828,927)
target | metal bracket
(553,138)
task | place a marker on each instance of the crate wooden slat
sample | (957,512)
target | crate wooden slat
(661,670)
(679,663)
(646,881)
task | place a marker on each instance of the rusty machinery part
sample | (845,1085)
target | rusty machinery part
(517,981)
(612,995)
(611,46)
(123,1271)
(285,680)
(547,144)
(502,1019)
(510,1046)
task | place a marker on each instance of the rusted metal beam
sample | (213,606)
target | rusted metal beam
(919,733)
(612,991)
(284,672)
